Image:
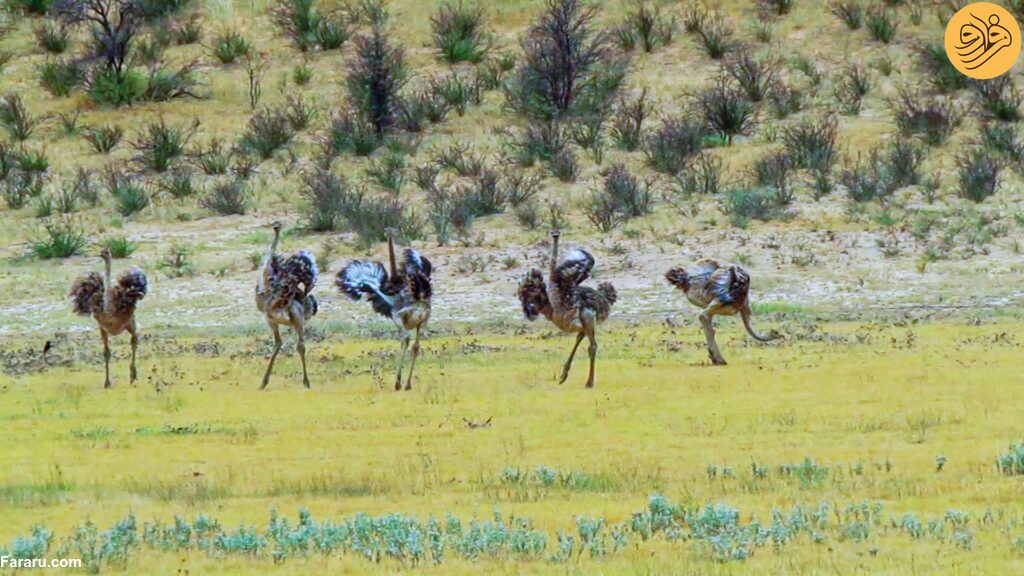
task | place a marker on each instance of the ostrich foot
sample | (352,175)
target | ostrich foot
(133,376)
(106,384)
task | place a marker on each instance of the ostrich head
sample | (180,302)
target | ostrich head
(105,254)
(556,233)
(276,226)
(389,233)
(775,335)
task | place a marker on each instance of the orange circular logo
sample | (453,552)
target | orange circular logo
(983,40)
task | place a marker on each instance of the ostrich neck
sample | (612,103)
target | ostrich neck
(391,257)
(106,265)
(554,296)
(273,245)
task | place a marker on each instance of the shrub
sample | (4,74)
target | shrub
(108,87)
(215,158)
(726,111)
(849,12)
(58,238)
(772,173)
(302,74)
(903,165)
(34,7)
(868,181)
(160,144)
(178,183)
(130,197)
(164,85)
(113,26)
(456,92)
(269,130)
(701,177)
(786,101)
(349,132)
(308,27)
(370,216)
(779,7)
(933,118)
(19,186)
(745,204)
(1012,462)
(520,187)
(156,9)
(677,139)
(187,31)
(459,33)
(376,75)
(630,196)
(628,122)
(978,174)
(388,172)
(60,77)
(756,77)
(16,119)
(811,144)
(1002,139)
(229,46)
(299,114)
(564,166)
(566,63)
(459,158)
(52,36)
(326,195)
(103,139)
(177,262)
(119,246)
(999,98)
(716,39)
(943,76)
(540,140)
(645,25)
(852,87)
(881,23)
(227,197)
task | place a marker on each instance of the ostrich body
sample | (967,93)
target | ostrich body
(571,307)
(403,296)
(718,291)
(111,305)
(284,296)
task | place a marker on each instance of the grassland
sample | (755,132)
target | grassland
(866,442)
(872,406)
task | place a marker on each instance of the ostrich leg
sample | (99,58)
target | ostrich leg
(568,363)
(415,355)
(277,348)
(707,321)
(401,360)
(300,335)
(592,351)
(106,356)
(132,329)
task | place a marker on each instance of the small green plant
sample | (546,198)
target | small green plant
(978,174)
(103,139)
(269,130)
(881,24)
(460,33)
(177,261)
(229,46)
(58,238)
(119,246)
(16,119)
(160,143)
(227,198)
(60,77)
(130,196)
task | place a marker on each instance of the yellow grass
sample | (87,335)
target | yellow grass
(841,394)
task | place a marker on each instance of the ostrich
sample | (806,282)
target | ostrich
(573,308)
(112,305)
(283,295)
(403,296)
(719,291)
